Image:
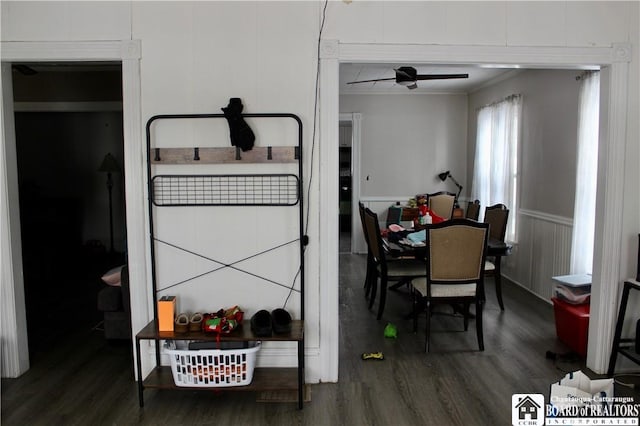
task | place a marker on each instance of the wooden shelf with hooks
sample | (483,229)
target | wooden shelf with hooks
(260,154)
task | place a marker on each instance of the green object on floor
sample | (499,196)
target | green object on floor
(390,331)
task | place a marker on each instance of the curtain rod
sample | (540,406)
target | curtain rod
(506,98)
(585,74)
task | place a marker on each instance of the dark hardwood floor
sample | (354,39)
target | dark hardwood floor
(85,380)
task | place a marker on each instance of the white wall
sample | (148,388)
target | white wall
(407,140)
(65,20)
(195,56)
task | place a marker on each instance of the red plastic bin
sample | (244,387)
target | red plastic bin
(572,325)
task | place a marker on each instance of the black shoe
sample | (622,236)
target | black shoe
(281,321)
(261,323)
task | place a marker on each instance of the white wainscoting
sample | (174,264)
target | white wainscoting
(543,250)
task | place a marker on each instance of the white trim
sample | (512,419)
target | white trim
(70,51)
(498,56)
(617,56)
(608,232)
(329,202)
(13,320)
(129,52)
(561,220)
(137,218)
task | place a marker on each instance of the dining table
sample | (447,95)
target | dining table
(495,248)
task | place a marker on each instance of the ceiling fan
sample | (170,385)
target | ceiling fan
(408,76)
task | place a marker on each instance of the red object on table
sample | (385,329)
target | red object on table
(572,325)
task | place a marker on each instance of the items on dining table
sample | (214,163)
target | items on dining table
(424,218)
(417,237)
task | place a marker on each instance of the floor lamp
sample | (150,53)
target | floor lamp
(110,165)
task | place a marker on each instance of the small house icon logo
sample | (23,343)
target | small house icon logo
(527,409)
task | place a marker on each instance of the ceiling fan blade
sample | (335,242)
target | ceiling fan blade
(371,81)
(440,76)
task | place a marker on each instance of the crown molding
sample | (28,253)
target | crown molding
(70,51)
(525,56)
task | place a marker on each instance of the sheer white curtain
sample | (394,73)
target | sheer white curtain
(584,215)
(496,162)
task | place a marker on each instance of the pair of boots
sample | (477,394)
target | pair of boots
(264,323)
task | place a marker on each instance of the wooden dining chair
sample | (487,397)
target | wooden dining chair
(473,210)
(496,217)
(370,271)
(394,215)
(381,269)
(456,251)
(368,274)
(442,203)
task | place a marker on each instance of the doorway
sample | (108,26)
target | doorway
(345,189)
(68,120)
(608,229)
(128,53)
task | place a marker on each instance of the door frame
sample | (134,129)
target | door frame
(15,352)
(614,64)
(356,128)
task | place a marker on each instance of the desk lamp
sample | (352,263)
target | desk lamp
(443,176)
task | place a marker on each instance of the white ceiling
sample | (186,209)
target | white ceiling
(478,77)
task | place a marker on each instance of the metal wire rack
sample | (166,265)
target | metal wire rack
(225,190)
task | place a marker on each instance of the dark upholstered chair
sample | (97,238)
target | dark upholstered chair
(394,215)
(367,278)
(496,217)
(115,304)
(380,268)
(473,210)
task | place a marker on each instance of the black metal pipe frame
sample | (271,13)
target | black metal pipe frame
(303,238)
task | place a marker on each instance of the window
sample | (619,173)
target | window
(496,162)
(584,215)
